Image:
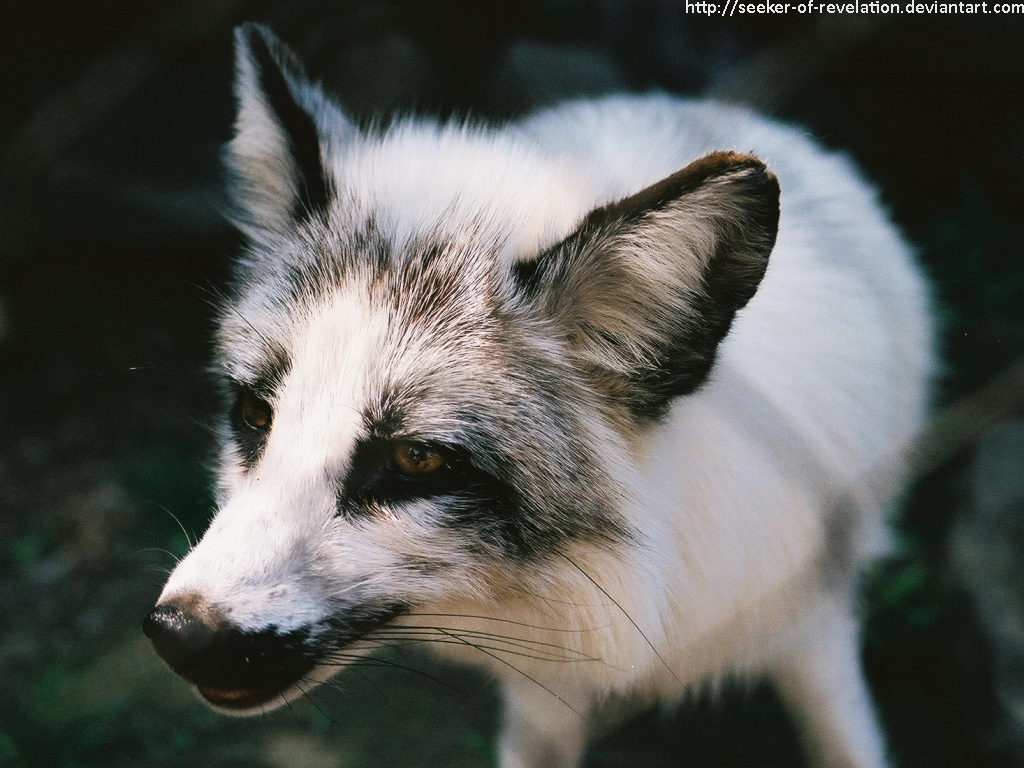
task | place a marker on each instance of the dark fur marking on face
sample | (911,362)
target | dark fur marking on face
(249,435)
(269,373)
(356,622)
(374,479)
(387,417)
(436,282)
(274,59)
(428,566)
(491,516)
(362,251)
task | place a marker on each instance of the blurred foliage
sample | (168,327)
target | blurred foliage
(30,547)
(176,490)
(976,256)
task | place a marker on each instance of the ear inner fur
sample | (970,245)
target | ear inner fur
(276,63)
(703,234)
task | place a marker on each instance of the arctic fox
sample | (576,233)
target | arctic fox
(598,400)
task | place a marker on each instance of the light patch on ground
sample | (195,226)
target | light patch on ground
(297,750)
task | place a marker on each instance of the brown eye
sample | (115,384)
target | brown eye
(256,412)
(417,459)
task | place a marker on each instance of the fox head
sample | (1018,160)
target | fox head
(439,351)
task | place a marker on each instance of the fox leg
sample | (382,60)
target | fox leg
(823,685)
(541,729)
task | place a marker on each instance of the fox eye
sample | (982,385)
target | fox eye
(393,470)
(417,459)
(255,411)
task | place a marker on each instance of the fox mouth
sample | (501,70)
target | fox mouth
(244,672)
(241,698)
(238,698)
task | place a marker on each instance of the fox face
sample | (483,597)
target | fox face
(439,355)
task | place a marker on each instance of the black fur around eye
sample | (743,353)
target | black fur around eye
(251,419)
(393,471)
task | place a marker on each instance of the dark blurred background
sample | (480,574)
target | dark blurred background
(112,245)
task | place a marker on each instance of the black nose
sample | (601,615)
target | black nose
(180,637)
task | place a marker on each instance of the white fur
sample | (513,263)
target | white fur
(819,386)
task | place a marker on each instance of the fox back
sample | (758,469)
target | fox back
(607,400)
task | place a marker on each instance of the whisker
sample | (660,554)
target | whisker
(288,704)
(519,642)
(508,621)
(167,552)
(425,639)
(308,695)
(630,618)
(355,661)
(188,539)
(222,301)
(218,297)
(377,688)
(570,603)
(354,585)
(399,628)
(531,679)
(459,640)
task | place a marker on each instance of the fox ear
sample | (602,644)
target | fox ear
(275,161)
(646,288)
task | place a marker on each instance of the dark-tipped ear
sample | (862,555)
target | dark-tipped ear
(647,287)
(275,160)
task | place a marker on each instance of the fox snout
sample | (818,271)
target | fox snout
(231,668)
(241,670)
